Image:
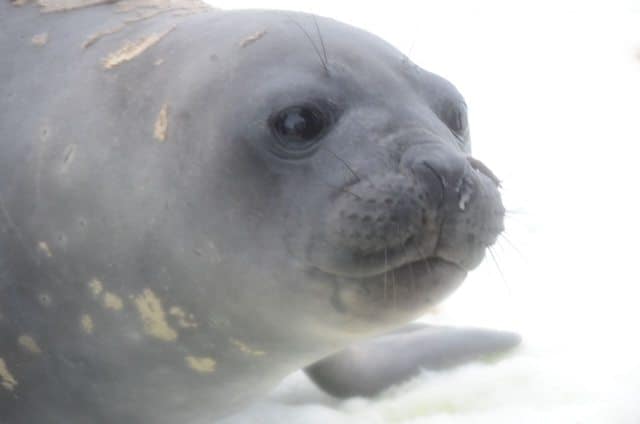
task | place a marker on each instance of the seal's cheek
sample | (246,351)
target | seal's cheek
(381,213)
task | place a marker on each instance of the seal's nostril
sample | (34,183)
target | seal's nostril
(440,183)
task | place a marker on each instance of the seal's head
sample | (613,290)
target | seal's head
(358,164)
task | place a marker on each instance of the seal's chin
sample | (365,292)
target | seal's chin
(408,289)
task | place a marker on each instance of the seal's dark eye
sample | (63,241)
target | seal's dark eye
(298,128)
(459,122)
(299,123)
(456,119)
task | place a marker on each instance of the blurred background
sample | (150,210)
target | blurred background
(553,89)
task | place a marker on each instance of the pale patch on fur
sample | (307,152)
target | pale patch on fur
(86,323)
(98,35)
(153,316)
(246,349)
(40,152)
(140,9)
(129,5)
(95,286)
(29,344)
(19,2)
(43,247)
(161,125)
(253,38)
(7,380)
(184,320)
(201,364)
(48,6)
(122,6)
(109,300)
(112,301)
(132,49)
(40,39)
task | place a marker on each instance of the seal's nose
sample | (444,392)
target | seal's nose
(437,202)
(435,167)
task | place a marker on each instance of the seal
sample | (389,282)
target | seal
(195,203)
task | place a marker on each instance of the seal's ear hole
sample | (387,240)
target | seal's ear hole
(297,129)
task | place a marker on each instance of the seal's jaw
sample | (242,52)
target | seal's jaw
(399,294)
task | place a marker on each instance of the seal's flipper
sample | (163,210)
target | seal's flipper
(370,367)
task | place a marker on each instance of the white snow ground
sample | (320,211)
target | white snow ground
(553,89)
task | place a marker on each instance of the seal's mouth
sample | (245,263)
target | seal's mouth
(413,270)
(410,287)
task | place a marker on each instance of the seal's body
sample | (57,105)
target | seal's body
(194,203)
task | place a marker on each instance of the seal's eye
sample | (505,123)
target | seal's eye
(456,119)
(299,123)
(297,129)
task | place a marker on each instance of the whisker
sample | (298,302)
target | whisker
(393,273)
(504,280)
(340,189)
(386,265)
(344,162)
(424,259)
(411,287)
(515,212)
(406,57)
(510,243)
(412,280)
(324,50)
(420,252)
(395,287)
(346,191)
(313,44)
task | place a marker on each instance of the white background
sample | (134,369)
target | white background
(553,90)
